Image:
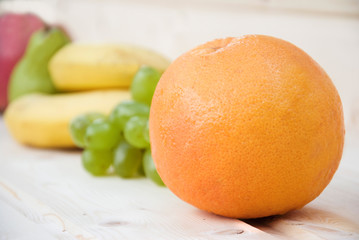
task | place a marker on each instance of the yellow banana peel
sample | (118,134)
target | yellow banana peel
(78,67)
(42,120)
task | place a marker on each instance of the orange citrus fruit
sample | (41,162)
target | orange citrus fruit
(246,127)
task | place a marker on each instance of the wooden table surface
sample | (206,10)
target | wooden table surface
(46,194)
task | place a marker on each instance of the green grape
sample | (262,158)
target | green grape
(127,160)
(134,130)
(150,168)
(146,132)
(141,171)
(78,127)
(144,84)
(125,110)
(101,135)
(96,162)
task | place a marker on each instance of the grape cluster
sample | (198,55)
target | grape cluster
(120,140)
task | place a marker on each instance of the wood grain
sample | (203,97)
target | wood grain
(50,190)
(49,194)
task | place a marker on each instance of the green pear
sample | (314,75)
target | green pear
(31,73)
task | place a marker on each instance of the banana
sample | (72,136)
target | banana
(78,67)
(42,120)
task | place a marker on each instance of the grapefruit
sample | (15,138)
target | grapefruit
(246,127)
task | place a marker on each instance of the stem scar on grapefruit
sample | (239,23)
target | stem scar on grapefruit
(246,127)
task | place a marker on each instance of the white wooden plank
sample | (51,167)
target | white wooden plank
(19,220)
(52,185)
(110,207)
(28,229)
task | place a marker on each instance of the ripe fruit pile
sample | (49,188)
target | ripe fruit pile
(122,138)
(56,81)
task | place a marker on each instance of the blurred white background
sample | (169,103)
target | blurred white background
(328,30)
